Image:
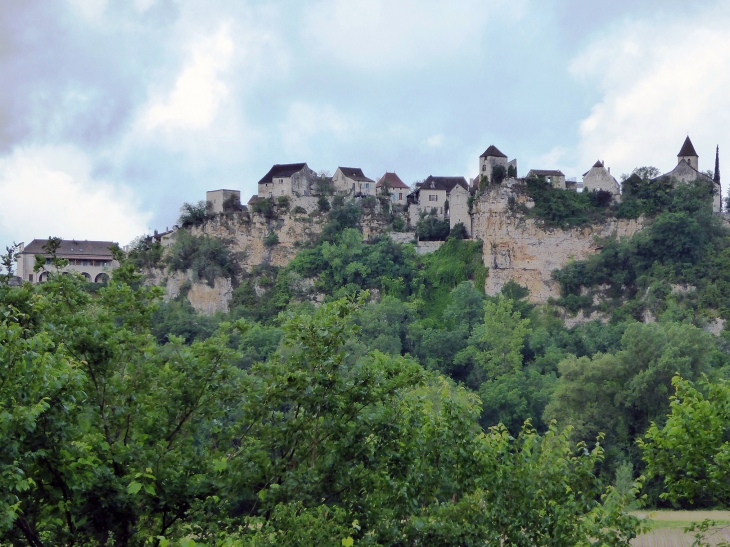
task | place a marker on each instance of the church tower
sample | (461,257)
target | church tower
(688,154)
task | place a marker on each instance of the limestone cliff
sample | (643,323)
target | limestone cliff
(524,249)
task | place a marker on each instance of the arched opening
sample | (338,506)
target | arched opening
(43,277)
(86,276)
(102,278)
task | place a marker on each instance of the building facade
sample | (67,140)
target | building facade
(92,259)
(351,180)
(223,200)
(290,179)
(687,170)
(390,183)
(599,178)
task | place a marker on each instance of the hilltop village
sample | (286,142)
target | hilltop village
(493,207)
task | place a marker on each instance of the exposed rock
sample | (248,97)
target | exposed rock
(207,299)
(716,326)
(525,250)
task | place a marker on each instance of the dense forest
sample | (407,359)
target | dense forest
(406,408)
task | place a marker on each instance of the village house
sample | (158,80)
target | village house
(553,177)
(390,183)
(92,259)
(599,178)
(432,195)
(290,179)
(687,170)
(351,180)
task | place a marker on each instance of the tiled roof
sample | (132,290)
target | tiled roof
(687,148)
(492,151)
(355,173)
(72,248)
(282,171)
(392,180)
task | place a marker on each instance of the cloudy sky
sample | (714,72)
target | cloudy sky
(115,112)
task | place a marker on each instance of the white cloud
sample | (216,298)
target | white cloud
(143,5)
(194,101)
(305,121)
(659,80)
(49,191)
(377,34)
(435,141)
(92,10)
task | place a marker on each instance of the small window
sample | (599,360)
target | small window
(271,194)
(484,167)
(433,197)
(400,196)
(367,185)
(30,278)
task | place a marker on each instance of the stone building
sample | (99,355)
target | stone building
(92,259)
(223,200)
(491,158)
(599,178)
(391,183)
(351,180)
(290,179)
(687,170)
(553,177)
(432,195)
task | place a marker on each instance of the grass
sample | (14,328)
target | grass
(667,528)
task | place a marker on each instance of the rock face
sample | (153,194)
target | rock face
(524,249)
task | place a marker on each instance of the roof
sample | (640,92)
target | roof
(72,248)
(492,151)
(443,183)
(281,171)
(546,173)
(598,164)
(254,199)
(392,180)
(354,173)
(687,149)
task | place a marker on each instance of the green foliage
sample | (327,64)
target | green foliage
(299,210)
(265,207)
(565,208)
(146,253)
(194,214)
(499,173)
(430,228)
(206,256)
(323,204)
(689,452)
(283,202)
(271,239)
(7,262)
(458,231)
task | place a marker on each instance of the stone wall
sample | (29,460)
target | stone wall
(524,250)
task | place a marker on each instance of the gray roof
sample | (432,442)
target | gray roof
(355,173)
(281,171)
(443,183)
(687,148)
(72,248)
(492,151)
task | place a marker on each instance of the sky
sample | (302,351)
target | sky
(113,113)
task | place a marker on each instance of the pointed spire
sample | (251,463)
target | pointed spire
(716,178)
(687,148)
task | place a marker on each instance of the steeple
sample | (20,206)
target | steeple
(716,178)
(688,154)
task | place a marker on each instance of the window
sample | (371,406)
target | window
(400,196)
(271,194)
(484,167)
(30,278)
(433,197)
(367,185)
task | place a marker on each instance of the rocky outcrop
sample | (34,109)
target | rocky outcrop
(524,249)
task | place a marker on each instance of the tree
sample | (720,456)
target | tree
(194,214)
(7,262)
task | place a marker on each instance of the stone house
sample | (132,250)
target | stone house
(391,183)
(598,178)
(353,181)
(290,179)
(553,177)
(92,259)
(223,200)
(433,195)
(459,207)
(687,170)
(491,158)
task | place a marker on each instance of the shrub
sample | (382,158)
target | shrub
(194,214)
(323,203)
(430,228)
(284,202)
(499,172)
(232,203)
(458,231)
(271,239)
(265,207)
(299,210)
(145,253)
(207,257)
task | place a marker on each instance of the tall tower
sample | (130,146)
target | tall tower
(688,154)
(716,178)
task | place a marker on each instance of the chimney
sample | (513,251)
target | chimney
(609,170)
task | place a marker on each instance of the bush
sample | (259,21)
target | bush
(145,253)
(265,207)
(430,228)
(232,203)
(284,202)
(271,239)
(194,214)
(458,231)
(499,173)
(299,210)
(323,203)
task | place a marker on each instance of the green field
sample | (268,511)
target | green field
(667,528)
